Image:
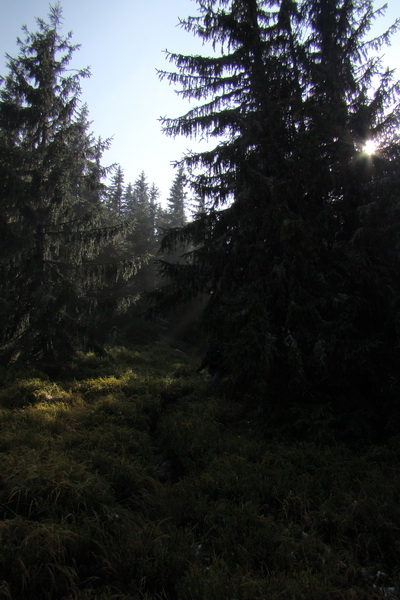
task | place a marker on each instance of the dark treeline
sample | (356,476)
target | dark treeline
(292,247)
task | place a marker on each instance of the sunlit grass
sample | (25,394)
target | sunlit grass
(134,478)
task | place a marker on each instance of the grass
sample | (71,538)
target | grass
(132,478)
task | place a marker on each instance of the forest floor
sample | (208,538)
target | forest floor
(131,477)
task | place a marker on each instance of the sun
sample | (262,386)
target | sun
(370,147)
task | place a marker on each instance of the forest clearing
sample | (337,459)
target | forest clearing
(265,466)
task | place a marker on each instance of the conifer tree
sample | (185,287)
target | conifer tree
(174,216)
(51,190)
(198,207)
(115,197)
(142,207)
(154,210)
(302,290)
(127,198)
(176,202)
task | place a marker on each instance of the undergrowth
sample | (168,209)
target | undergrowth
(131,477)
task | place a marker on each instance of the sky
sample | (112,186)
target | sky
(123,43)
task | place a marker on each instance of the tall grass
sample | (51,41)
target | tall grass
(132,478)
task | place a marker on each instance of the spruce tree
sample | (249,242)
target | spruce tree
(142,207)
(115,196)
(51,191)
(154,210)
(303,292)
(176,202)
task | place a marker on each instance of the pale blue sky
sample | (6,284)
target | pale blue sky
(123,42)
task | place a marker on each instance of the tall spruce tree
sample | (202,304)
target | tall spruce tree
(115,196)
(174,217)
(154,210)
(51,187)
(303,291)
(142,207)
(176,202)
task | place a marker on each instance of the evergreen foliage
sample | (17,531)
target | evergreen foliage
(51,190)
(176,216)
(115,194)
(298,248)
(142,207)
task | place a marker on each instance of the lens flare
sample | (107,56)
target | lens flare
(370,147)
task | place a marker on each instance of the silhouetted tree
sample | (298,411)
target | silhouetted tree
(303,291)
